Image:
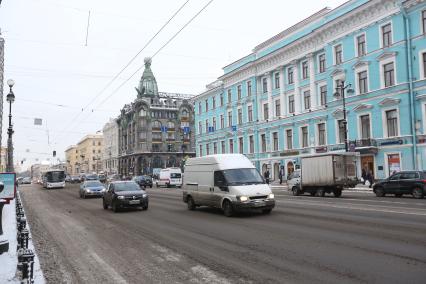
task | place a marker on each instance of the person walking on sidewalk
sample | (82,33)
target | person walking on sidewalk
(281,174)
(364,175)
(370,178)
(266,176)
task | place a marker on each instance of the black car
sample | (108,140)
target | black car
(124,194)
(405,182)
(75,179)
(144,181)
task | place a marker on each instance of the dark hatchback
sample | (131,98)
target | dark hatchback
(144,181)
(125,194)
(405,182)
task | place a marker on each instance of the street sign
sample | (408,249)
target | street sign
(186,129)
(163,128)
(9,189)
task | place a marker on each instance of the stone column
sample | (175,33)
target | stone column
(297,97)
(312,86)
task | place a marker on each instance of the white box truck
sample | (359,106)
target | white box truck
(328,173)
(227,181)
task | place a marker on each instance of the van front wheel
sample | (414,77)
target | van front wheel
(191,204)
(228,211)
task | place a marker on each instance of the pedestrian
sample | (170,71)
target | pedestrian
(364,175)
(266,176)
(281,174)
(370,178)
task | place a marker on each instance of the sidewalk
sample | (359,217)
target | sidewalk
(9,260)
(283,186)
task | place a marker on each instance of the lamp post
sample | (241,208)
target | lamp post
(340,92)
(10,98)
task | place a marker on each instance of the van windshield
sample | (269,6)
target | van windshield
(242,176)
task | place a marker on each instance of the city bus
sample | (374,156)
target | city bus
(54,179)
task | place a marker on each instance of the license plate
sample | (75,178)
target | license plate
(259,204)
(134,201)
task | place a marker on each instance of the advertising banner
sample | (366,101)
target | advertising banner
(7,181)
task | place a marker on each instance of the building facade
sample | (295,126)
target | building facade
(285,99)
(110,144)
(2,161)
(155,130)
(86,156)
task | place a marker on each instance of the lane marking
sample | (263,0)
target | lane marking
(111,271)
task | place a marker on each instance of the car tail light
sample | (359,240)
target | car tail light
(424,181)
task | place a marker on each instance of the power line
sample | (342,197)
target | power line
(131,60)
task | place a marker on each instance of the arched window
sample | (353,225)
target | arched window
(184,113)
(170,125)
(142,112)
(156,124)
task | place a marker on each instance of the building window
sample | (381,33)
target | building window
(265,111)
(229,118)
(362,82)
(424,21)
(200,127)
(229,96)
(277,108)
(241,145)
(321,134)
(338,58)
(275,140)
(277,80)
(389,74)
(221,99)
(199,108)
(231,146)
(222,145)
(207,105)
(251,143)
(424,64)
(386,35)
(360,43)
(290,78)
(304,141)
(305,70)
(201,150)
(263,142)
(289,134)
(264,85)
(307,99)
(248,88)
(215,148)
(222,122)
(207,149)
(214,123)
(250,113)
(341,126)
(207,126)
(392,122)
(365,126)
(321,63)
(239,92)
(323,95)
(291,104)
(213,102)
(240,116)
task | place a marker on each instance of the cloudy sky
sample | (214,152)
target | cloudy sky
(64,81)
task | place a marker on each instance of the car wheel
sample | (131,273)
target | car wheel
(145,207)
(320,193)
(104,204)
(312,193)
(191,204)
(156,184)
(228,211)
(337,192)
(398,194)
(418,193)
(266,211)
(114,207)
(167,185)
(380,192)
(295,190)
(150,186)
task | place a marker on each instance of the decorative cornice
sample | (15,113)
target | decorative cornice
(386,55)
(362,107)
(389,102)
(338,113)
(338,71)
(360,64)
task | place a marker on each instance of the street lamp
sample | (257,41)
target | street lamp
(340,92)
(10,98)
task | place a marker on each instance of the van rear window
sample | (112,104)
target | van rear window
(175,175)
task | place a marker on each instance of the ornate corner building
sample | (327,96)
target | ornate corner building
(156,130)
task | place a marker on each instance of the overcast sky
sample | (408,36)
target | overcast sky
(57,75)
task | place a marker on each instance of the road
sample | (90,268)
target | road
(358,238)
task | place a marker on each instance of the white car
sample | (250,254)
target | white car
(170,177)
(293,180)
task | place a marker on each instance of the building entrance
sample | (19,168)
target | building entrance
(367,163)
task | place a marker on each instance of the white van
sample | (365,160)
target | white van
(170,177)
(227,181)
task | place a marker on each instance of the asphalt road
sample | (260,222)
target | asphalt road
(358,238)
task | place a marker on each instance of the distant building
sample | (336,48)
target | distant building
(155,130)
(110,147)
(37,170)
(3,158)
(86,156)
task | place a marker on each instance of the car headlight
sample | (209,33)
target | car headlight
(144,195)
(120,197)
(271,196)
(243,198)
(103,189)
(87,190)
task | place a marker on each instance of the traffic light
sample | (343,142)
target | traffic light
(54,153)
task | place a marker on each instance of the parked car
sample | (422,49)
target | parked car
(229,182)
(144,181)
(102,178)
(170,177)
(293,180)
(405,182)
(75,179)
(19,180)
(26,180)
(124,194)
(91,188)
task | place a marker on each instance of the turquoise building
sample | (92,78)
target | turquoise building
(286,98)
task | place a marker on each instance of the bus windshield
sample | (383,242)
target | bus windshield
(55,176)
